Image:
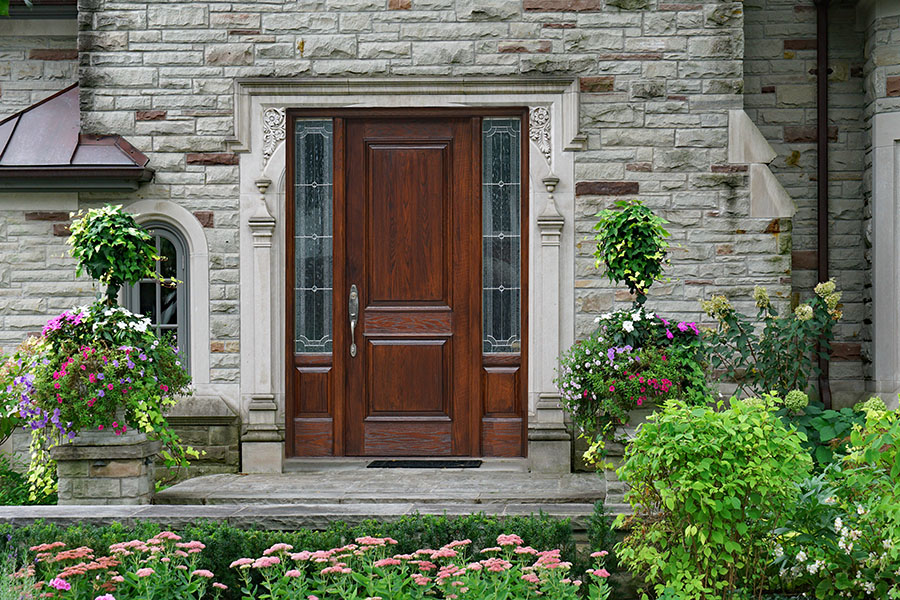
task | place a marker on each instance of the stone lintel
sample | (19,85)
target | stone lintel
(129,451)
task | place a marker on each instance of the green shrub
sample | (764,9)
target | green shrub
(708,489)
(827,432)
(843,538)
(14,486)
(226,543)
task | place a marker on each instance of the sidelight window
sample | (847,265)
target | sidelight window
(501,181)
(313,180)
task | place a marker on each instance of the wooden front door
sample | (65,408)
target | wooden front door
(403,373)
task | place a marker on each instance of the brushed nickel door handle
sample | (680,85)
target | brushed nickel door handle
(354,316)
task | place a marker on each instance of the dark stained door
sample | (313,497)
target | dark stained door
(411,246)
(398,209)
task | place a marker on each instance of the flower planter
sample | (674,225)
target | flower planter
(99,467)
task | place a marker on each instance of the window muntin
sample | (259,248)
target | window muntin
(501,181)
(313,234)
(166,305)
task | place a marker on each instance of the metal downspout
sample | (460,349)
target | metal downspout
(822,170)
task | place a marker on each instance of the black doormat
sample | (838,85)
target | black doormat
(424,464)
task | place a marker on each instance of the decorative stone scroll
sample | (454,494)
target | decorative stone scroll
(539,130)
(273,130)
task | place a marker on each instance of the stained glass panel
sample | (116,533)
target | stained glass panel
(313,259)
(501,234)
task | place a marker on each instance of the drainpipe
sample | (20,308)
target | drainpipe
(822,169)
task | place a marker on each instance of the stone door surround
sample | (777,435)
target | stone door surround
(259,132)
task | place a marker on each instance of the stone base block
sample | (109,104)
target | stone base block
(550,456)
(106,469)
(261,457)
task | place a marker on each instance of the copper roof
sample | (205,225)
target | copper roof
(41,147)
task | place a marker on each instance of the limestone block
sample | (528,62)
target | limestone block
(497,10)
(767,196)
(745,142)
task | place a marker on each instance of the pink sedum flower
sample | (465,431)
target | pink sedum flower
(220,586)
(203,573)
(293,573)
(145,572)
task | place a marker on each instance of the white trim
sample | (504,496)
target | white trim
(885,254)
(254,96)
(198,269)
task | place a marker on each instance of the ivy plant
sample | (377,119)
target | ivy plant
(631,242)
(110,247)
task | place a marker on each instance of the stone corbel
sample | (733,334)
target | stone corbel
(549,441)
(748,146)
(262,444)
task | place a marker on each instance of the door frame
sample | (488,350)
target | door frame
(499,363)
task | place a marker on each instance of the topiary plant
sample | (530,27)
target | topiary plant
(112,248)
(631,242)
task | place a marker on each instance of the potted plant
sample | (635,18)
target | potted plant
(99,370)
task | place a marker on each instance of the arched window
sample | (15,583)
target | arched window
(165,305)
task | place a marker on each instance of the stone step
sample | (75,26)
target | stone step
(284,516)
(378,486)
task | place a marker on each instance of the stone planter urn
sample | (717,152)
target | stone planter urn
(99,467)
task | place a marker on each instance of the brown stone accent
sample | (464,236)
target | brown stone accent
(768,89)
(232,346)
(643,167)
(47,215)
(804,259)
(243,32)
(563,5)
(699,282)
(807,134)
(150,115)
(624,296)
(597,84)
(560,25)
(728,168)
(679,6)
(724,249)
(846,351)
(606,188)
(217,346)
(893,86)
(205,217)
(61,230)
(212,158)
(53,54)
(806,44)
(399,4)
(677,98)
(774,226)
(541,46)
(804,8)
(644,56)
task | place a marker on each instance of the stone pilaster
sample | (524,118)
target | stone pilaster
(262,444)
(549,442)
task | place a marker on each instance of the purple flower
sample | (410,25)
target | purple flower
(101,376)
(142,356)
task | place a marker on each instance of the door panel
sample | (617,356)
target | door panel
(412,227)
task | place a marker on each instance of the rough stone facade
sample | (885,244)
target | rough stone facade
(656,80)
(780,97)
(37,58)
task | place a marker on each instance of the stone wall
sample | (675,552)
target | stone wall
(657,80)
(37,58)
(780,97)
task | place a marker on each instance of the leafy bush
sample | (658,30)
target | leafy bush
(778,358)
(112,248)
(708,489)
(14,486)
(226,543)
(631,242)
(843,540)
(827,432)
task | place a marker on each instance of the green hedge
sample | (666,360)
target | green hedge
(226,543)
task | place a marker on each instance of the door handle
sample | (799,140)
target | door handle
(354,315)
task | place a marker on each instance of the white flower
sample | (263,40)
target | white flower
(801,556)
(636,316)
(606,316)
(120,325)
(628,326)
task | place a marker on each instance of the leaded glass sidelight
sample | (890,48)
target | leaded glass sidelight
(313,257)
(501,179)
